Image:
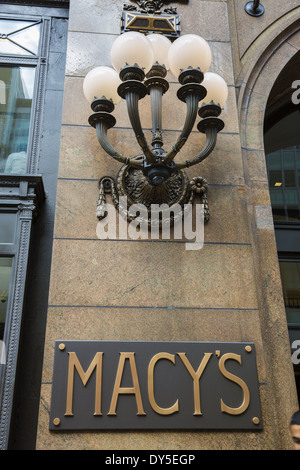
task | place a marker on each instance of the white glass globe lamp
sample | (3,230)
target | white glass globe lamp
(188,51)
(102,82)
(132,48)
(217,89)
(161,46)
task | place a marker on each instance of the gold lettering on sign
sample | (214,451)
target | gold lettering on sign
(246,394)
(162,411)
(196,377)
(84,376)
(135,390)
(155,383)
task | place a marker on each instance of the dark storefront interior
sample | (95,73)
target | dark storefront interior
(282,148)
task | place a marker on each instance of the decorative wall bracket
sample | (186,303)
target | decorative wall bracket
(131,184)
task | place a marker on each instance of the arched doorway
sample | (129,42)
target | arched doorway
(261,66)
(282,149)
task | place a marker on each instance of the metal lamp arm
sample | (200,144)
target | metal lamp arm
(191,115)
(101,129)
(132,91)
(211,140)
(132,100)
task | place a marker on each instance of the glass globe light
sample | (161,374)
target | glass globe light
(187,51)
(217,90)
(161,46)
(132,48)
(102,81)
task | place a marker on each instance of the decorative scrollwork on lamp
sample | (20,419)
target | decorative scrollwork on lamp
(140,67)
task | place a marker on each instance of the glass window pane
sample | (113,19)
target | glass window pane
(9,26)
(285,200)
(276,196)
(7,227)
(290,178)
(291,196)
(279,213)
(274,161)
(275,178)
(293,315)
(293,213)
(15,112)
(290,277)
(19,37)
(5,274)
(8,47)
(288,158)
(28,39)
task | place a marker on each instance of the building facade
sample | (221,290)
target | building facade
(61,283)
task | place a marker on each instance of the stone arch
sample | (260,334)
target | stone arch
(261,65)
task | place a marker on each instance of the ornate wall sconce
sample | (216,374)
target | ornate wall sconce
(140,67)
(254,8)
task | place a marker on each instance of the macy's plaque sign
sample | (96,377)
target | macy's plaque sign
(101,385)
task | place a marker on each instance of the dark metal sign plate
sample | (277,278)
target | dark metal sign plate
(150,19)
(166,24)
(108,385)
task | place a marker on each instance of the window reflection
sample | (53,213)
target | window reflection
(283,172)
(5,273)
(19,37)
(15,112)
(290,277)
(7,227)
(2,92)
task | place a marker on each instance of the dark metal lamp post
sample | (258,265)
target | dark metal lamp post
(140,68)
(254,8)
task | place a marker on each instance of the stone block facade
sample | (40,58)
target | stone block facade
(147,290)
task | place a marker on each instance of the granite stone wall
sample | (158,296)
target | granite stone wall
(156,290)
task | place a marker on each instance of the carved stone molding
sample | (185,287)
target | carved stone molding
(14,322)
(26,211)
(25,192)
